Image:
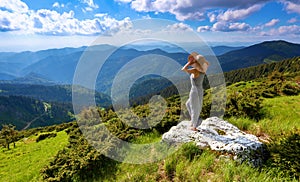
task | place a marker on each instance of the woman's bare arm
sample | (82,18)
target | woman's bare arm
(185,67)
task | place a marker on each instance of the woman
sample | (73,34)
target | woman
(197,72)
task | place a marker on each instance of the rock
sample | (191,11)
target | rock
(219,135)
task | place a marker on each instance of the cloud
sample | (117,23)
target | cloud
(292,20)
(50,22)
(90,5)
(292,29)
(203,28)
(292,7)
(233,15)
(57,5)
(14,6)
(123,1)
(178,27)
(283,30)
(272,23)
(195,9)
(230,27)
(13,15)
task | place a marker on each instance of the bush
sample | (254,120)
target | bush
(291,88)
(43,136)
(246,104)
(284,153)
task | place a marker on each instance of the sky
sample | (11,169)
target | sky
(42,24)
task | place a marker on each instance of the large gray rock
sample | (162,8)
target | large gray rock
(219,135)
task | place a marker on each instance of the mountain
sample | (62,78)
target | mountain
(266,52)
(58,65)
(4,76)
(28,112)
(122,57)
(219,50)
(13,63)
(31,78)
(51,93)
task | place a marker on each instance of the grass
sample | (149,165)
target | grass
(205,166)
(281,114)
(24,162)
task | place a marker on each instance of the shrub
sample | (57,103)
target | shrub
(246,104)
(290,88)
(284,153)
(43,136)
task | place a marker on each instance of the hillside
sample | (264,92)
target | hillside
(265,52)
(287,66)
(50,93)
(24,112)
(26,160)
(277,126)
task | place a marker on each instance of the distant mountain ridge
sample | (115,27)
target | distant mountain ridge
(265,52)
(219,50)
(57,66)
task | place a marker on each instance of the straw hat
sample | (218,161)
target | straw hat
(202,62)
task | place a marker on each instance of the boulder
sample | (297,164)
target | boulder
(219,135)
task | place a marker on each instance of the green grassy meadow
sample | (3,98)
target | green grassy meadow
(24,162)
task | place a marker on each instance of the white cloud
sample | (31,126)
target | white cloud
(284,30)
(292,29)
(123,1)
(272,23)
(178,27)
(57,5)
(233,15)
(195,9)
(292,20)
(14,6)
(142,5)
(12,21)
(146,17)
(230,27)
(212,17)
(50,22)
(101,15)
(91,3)
(203,28)
(292,7)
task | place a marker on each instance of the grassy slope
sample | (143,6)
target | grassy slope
(282,114)
(24,162)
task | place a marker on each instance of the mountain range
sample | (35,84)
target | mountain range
(57,66)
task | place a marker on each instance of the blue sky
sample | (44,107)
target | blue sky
(42,24)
